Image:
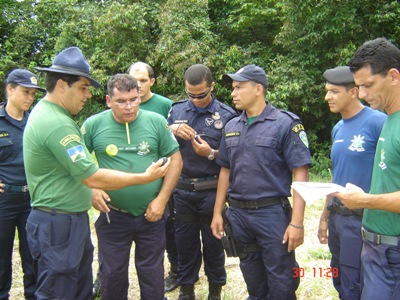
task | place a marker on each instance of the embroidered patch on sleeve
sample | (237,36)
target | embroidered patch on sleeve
(298,127)
(70,138)
(303,138)
(76,153)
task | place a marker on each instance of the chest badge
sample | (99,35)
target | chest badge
(208,121)
(216,116)
(218,124)
(143,148)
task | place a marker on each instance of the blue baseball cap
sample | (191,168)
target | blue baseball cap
(24,78)
(248,73)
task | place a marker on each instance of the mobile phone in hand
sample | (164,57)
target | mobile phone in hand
(165,159)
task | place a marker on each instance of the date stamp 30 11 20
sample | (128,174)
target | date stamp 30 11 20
(317,272)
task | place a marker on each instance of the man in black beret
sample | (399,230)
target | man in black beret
(354,141)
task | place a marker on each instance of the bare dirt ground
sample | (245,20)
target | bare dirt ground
(312,257)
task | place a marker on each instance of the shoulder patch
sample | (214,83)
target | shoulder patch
(232,134)
(298,127)
(303,138)
(70,138)
(76,153)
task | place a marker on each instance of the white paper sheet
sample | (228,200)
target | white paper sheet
(313,191)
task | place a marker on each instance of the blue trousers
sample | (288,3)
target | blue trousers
(345,244)
(188,241)
(63,254)
(115,242)
(171,248)
(14,211)
(381,266)
(269,273)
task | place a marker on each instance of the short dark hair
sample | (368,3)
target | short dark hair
(53,77)
(122,82)
(380,54)
(148,67)
(198,73)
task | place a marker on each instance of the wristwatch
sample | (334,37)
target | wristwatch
(212,155)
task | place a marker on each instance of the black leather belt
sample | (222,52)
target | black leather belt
(118,209)
(344,211)
(258,203)
(380,238)
(16,188)
(198,184)
(58,211)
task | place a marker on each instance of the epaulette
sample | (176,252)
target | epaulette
(291,115)
(180,102)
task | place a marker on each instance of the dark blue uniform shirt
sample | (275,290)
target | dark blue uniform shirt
(11,155)
(209,121)
(262,155)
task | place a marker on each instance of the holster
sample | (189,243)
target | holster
(231,247)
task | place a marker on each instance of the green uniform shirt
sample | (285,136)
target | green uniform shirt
(386,178)
(147,139)
(158,104)
(56,160)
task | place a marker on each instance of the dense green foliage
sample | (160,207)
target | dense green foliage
(294,41)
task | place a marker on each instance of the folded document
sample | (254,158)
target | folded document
(313,191)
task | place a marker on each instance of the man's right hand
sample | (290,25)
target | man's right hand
(155,170)
(323,232)
(217,226)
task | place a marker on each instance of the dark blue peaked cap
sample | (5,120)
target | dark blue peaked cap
(339,76)
(248,73)
(71,61)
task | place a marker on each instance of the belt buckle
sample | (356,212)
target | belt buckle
(25,188)
(377,239)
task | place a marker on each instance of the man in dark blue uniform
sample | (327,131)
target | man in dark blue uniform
(198,124)
(260,152)
(14,195)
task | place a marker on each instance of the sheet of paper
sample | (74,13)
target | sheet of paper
(313,191)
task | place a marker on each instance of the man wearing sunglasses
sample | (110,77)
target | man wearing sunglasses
(197,123)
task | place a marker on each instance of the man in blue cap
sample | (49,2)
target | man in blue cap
(354,140)
(60,172)
(21,88)
(259,154)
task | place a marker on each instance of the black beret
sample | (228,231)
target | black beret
(339,76)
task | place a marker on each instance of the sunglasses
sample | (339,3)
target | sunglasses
(199,96)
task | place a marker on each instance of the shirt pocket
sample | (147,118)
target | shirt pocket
(6,148)
(231,146)
(266,150)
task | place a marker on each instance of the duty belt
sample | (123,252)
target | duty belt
(344,211)
(198,184)
(258,203)
(380,238)
(16,188)
(58,211)
(118,209)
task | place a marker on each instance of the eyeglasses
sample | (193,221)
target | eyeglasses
(124,104)
(199,96)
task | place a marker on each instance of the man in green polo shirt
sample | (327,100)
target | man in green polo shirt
(60,173)
(376,69)
(127,138)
